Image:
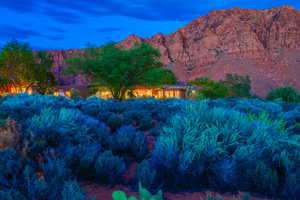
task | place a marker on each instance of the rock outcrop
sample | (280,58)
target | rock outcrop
(59,57)
(264,44)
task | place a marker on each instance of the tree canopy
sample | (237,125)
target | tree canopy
(121,70)
(240,86)
(233,85)
(210,88)
(20,66)
(287,94)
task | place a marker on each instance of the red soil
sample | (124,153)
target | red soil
(105,192)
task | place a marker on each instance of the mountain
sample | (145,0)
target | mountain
(264,44)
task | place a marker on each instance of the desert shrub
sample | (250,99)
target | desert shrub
(109,168)
(287,94)
(9,134)
(146,174)
(155,131)
(292,119)
(81,158)
(114,121)
(218,145)
(128,140)
(11,194)
(255,106)
(54,128)
(72,190)
(56,173)
(11,168)
(18,179)
(94,106)
(21,107)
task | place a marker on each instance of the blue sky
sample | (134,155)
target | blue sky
(66,24)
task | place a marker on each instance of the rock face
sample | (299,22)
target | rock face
(264,44)
(58,67)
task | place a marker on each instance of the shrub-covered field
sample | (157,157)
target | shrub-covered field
(224,145)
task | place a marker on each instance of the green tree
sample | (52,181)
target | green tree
(42,76)
(121,70)
(239,86)
(16,61)
(19,66)
(210,88)
(287,94)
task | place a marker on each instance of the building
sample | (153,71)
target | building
(11,89)
(168,91)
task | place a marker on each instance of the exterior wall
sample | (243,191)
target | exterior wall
(146,93)
(10,89)
(157,93)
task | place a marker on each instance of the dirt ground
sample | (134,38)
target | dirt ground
(105,192)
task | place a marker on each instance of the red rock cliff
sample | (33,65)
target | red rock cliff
(264,44)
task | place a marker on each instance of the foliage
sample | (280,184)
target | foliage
(56,173)
(146,174)
(22,106)
(210,88)
(120,195)
(19,66)
(239,86)
(72,190)
(11,167)
(43,77)
(75,93)
(109,168)
(121,70)
(287,94)
(114,121)
(16,63)
(217,146)
(11,195)
(130,141)
(82,158)
(54,128)
(229,144)
(144,195)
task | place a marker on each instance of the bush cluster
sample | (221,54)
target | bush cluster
(224,149)
(221,144)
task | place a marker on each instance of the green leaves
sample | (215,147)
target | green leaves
(144,195)
(287,94)
(233,86)
(210,88)
(120,195)
(121,70)
(19,66)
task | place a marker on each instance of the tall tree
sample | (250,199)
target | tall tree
(16,61)
(122,70)
(210,88)
(240,86)
(20,67)
(43,77)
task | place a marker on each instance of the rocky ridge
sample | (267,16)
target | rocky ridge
(264,44)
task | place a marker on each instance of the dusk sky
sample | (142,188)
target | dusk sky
(65,24)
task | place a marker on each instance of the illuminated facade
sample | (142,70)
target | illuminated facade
(11,89)
(158,93)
